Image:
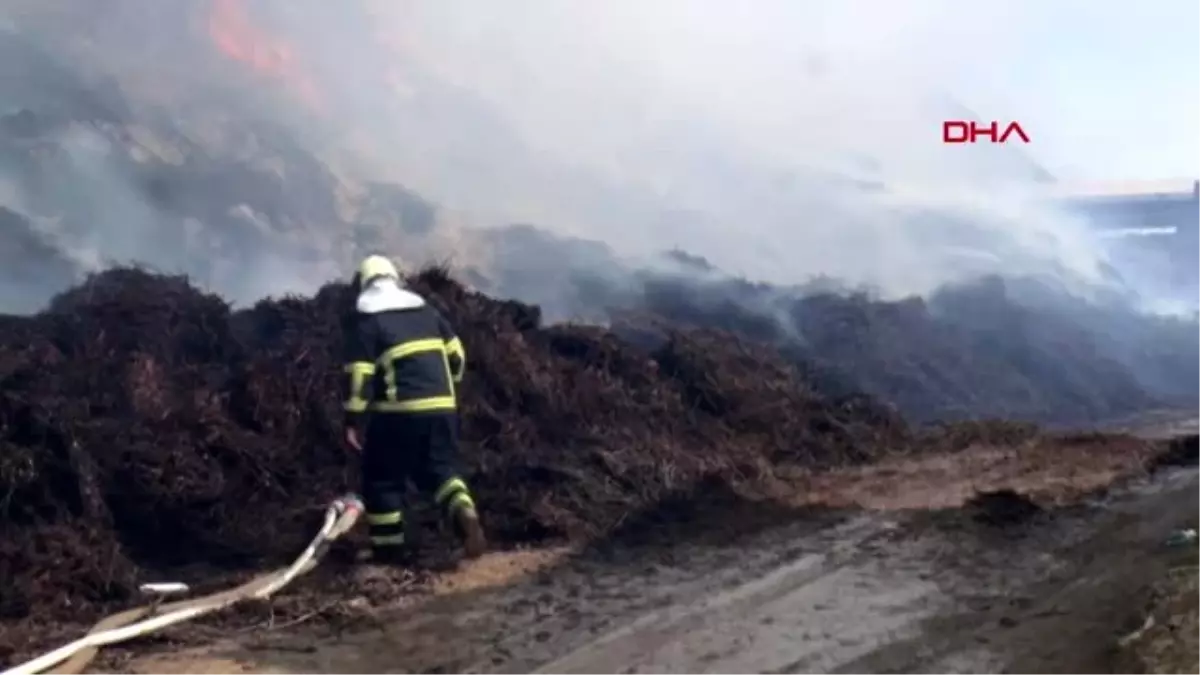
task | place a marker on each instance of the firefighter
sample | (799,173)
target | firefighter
(403,366)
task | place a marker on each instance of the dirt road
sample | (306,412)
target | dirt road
(996,587)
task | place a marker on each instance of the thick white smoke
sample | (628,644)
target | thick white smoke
(260,146)
(779,140)
(740,133)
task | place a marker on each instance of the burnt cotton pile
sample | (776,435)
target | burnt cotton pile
(144,424)
(94,170)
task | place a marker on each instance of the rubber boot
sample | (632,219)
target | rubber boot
(388,556)
(401,557)
(466,521)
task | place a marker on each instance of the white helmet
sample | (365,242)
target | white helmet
(374,267)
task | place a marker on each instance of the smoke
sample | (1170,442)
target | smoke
(779,140)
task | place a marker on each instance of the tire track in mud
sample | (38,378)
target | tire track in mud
(894,596)
(830,591)
(818,608)
(1050,598)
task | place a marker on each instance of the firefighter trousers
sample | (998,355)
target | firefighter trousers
(402,447)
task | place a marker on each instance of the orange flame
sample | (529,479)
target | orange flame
(236,36)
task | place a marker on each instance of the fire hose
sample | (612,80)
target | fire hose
(340,517)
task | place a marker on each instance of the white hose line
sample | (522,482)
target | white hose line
(339,518)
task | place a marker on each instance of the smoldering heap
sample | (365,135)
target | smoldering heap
(144,425)
(1010,348)
(95,170)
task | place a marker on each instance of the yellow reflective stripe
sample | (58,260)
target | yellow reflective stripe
(450,378)
(402,350)
(358,371)
(461,500)
(392,518)
(359,368)
(388,540)
(448,489)
(454,347)
(416,404)
(409,348)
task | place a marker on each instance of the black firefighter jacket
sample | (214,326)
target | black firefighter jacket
(401,356)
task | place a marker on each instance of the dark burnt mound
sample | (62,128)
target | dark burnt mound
(146,427)
(1002,508)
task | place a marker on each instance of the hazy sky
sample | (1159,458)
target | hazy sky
(1109,89)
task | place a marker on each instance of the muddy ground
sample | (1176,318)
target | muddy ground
(896,567)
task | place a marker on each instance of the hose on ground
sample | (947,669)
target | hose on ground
(74,657)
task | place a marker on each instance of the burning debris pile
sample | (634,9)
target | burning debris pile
(95,170)
(981,349)
(144,425)
(92,175)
